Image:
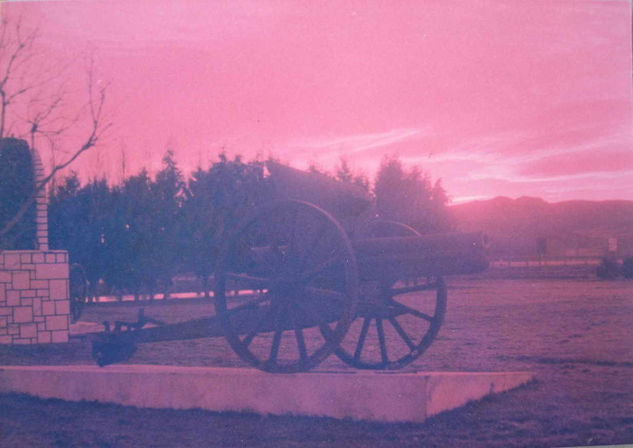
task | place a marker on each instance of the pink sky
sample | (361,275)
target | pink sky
(495,97)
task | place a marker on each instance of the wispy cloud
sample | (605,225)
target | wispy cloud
(358,142)
(462,199)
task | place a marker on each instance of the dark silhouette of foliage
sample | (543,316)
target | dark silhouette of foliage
(135,237)
(608,269)
(80,221)
(627,267)
(216,200)
(168,232)
(407,196)
(16,185)
(201,245)
(345,174)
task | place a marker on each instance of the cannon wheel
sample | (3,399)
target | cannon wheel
(300,266)
(78,291)
(395,323)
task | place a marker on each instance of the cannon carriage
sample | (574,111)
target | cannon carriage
(319,275)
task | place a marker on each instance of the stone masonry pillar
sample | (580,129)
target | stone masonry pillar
(34,284)
(41,204)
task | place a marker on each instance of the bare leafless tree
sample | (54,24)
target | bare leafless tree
(33,107)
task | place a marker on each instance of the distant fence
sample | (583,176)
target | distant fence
(545,268)
(549,261)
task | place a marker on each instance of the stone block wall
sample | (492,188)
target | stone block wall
(41,204)
(34,297)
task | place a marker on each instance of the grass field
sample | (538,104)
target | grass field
(574,334)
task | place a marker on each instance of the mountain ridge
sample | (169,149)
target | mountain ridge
(517,224)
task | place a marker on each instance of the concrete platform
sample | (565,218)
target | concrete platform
(358,395)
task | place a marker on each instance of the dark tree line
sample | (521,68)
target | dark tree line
(135,237)
(408,196)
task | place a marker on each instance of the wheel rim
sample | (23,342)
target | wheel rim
(379,228)
(392,330)
(300,264)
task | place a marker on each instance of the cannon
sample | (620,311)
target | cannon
(318,275)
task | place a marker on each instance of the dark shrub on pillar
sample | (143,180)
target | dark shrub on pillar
(16,185)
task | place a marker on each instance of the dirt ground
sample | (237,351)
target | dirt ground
(574,334)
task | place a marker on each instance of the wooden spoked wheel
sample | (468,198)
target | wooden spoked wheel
(78,291)
(396,320)
(392,329)
(297,276)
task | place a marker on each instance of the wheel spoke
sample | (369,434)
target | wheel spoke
(326,328)
(301,344)
(327,264)
(312,246)
(254,282)
(293,246)
(381,340)
(361,338)
(318,321)
(403,334)
(404,309)
(260,324)
(274,348)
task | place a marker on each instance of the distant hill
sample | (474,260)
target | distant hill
(571,228)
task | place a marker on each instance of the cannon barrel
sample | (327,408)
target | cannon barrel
(415,256)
